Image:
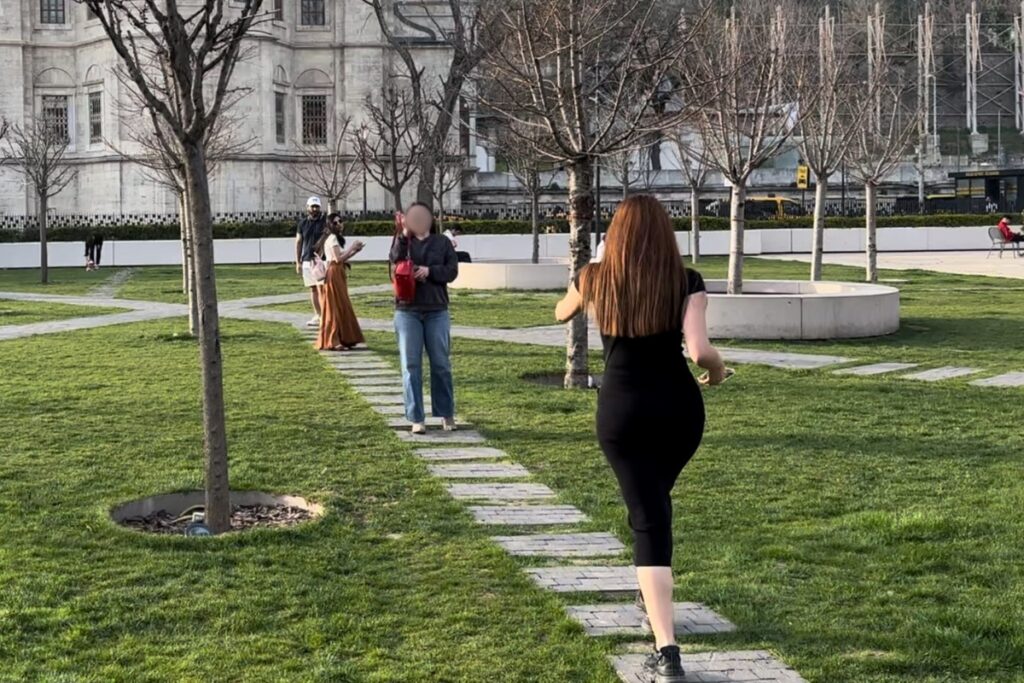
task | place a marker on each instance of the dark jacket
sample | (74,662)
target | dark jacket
(436,253)
(311,231)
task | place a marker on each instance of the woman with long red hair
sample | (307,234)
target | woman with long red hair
(650,414)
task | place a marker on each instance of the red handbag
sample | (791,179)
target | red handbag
(404,274)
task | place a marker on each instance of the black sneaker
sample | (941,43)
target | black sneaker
(645,621)
(665,666)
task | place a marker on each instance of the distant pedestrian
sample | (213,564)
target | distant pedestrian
(990,205)
(339,328)
(307,235)
(453,235)
(93,251)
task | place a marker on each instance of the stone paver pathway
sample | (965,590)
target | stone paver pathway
(592,579)
(874,369)
(744,666)
(500,492)
(939,374)
(485,470)
(596,544)
(475,453)
(1010,379)
(527,515)
(609,619)
(465,436)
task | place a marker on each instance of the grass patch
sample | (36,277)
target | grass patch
(396,583)
(68,281)
(26,312)
(495,309)
(863,529)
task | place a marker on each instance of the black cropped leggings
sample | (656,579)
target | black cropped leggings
(647,451)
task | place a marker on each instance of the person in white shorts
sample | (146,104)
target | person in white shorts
(307,234)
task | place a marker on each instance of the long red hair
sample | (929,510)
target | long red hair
(638,288)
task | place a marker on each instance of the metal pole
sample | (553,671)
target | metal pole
(844,190)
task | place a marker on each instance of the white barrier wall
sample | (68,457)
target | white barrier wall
(501,247)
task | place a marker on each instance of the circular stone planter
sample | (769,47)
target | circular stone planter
(791,309)
(175,504)
(523,275)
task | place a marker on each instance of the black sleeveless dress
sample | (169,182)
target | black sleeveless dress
(650,421)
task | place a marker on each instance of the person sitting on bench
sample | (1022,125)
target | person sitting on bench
(452,234)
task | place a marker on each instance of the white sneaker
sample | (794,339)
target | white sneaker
(419,428)
(448,424)
(314,321)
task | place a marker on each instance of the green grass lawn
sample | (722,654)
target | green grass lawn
(866,530)
(69,281)
(863,529)
(26,312)
(497,309)
(395,584)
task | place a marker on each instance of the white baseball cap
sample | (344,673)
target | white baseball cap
(313,201)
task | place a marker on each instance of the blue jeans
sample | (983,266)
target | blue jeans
(432,330)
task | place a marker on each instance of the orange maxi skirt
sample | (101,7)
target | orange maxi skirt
(338,324)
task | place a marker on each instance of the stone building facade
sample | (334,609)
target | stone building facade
(316,60)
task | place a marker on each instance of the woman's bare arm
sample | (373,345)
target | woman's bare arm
(695,331)
(570,305)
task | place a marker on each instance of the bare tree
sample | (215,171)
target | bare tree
(830,125)
(329,172)
(526,165)
(741,85)
(38,152)
(587,75)
(464,28)
(694,164)
(631,167)
(158,157)
(449,165)
(198,52)
(389,145)
(885,134)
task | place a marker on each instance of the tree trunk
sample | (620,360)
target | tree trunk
(218,507)
(535,218)
(396,197)
(581,215)
(737,209)
(193,303)
(184,243)
(695,223)
(818,228)
(428,173)
(870,223)
(44,262)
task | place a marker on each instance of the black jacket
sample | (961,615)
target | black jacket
(436,253)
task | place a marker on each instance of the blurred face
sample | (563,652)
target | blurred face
(419,220)
(314,210)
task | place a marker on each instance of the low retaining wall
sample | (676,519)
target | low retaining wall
(785,309)
(502,247)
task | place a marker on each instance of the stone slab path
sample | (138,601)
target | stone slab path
(593,579)
(597,544)
(874,369)
(474,453)
(500,492)
(486,470)
(943,373)
(611,619)
(463,436)
(1010,379)
(744,666)
(527,515)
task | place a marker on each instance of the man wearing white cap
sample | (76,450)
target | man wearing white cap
(307,235)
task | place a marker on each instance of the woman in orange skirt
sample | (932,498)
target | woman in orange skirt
(339,329)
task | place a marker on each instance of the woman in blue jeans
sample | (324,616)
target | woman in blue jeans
(424,323)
